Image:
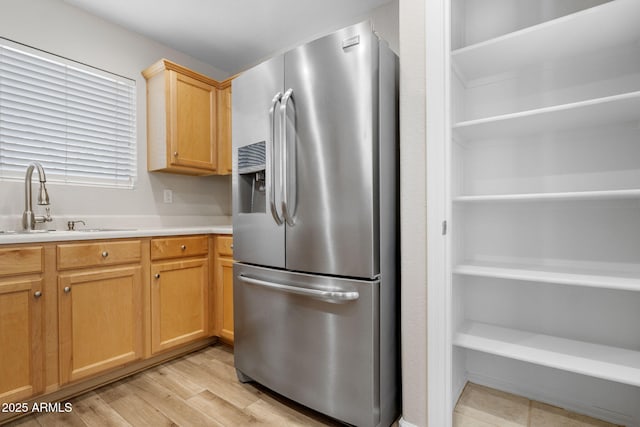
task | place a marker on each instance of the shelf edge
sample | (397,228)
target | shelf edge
(552,359)
(570,279)
(561,196)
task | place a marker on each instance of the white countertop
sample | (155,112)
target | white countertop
(58,236)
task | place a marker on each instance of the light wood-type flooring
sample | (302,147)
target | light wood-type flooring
(481,406)
(201,389)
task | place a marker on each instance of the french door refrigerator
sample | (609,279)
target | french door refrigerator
(315,203)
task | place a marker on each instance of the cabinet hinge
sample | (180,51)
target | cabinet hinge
(444,228)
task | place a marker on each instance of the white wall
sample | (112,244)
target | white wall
(384,19)
(413,211)
(61,29)
(386,22)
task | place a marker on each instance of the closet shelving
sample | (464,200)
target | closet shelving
(554,275)
(590,31)
(565,36)
(573,195)
(594,112)
(600,361)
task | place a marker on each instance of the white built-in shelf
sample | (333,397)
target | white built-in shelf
(600,27)
(593,112)
(561,196)
(600,361)
(554,275)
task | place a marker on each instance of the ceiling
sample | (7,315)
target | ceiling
(231,35)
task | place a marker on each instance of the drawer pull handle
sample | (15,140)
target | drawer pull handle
(175,154)
(67,289)
(105,254)
(183,247)
(231,246)
(157,275)
(37,294)
(325,295)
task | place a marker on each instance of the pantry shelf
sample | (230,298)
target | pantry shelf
(599,361)
(548,274)
(559,196)
(548,40)
(593,112)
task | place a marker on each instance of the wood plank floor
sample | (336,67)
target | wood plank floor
(199,389)
(481,406)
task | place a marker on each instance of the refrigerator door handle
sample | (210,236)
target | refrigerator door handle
(271,160)
(328,296)
(286,211)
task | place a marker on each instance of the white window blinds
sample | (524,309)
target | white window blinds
(78,122)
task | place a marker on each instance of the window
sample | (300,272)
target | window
(77,121)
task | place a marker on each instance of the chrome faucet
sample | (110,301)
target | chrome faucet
(29,220)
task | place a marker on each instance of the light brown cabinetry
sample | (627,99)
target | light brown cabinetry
(179,291)
(181,120)
(112,252)
(223,264)
(224,128)
(74,315)
(100,309)
(188,121)
(21,340)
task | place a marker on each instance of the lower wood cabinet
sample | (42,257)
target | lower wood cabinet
(179,297)
(119,303)
(224,288)
(21,341)
(225,285)
(100,316)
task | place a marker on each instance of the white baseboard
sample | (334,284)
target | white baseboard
(457,391)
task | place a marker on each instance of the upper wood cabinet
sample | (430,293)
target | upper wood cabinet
(224,128)
(188,121)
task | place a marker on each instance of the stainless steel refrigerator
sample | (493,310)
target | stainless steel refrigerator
(316,283)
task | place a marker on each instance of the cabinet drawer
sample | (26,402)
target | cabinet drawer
(224,245)
(77,255)
(20,260)
(175,247)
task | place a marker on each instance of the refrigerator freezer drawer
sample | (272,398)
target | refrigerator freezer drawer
(311,338)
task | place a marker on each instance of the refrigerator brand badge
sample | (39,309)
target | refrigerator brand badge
(351,41)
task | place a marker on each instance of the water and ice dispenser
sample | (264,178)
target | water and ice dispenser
(251,178)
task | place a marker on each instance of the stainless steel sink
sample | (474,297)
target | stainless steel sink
(84,230)
(26,231)
(98,230)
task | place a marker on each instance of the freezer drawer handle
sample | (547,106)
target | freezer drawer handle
(329,296)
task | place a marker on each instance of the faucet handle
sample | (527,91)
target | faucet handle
(46,218)
(71,225)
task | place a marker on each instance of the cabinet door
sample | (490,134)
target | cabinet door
(192,122)
(224,131)
(224,286)
(179,303)
(21,370)
(100,320)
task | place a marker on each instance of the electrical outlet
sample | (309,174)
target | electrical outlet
(168,196)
